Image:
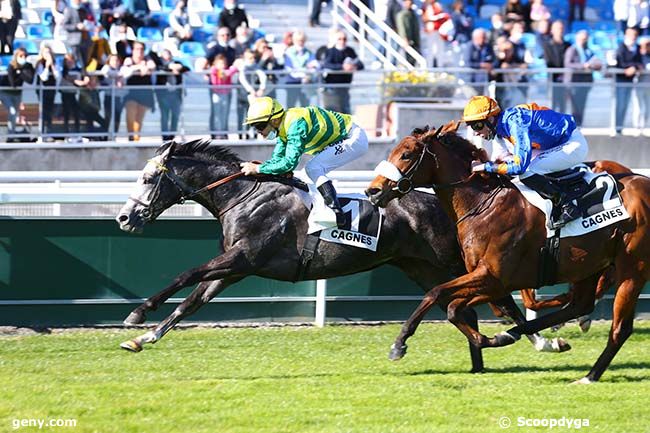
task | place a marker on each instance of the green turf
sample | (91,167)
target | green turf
(336,379)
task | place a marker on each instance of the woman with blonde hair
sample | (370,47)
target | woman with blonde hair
(11,93)
(137,70)
(47,77)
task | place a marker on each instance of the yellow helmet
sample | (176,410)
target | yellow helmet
(263,110)
(480,108)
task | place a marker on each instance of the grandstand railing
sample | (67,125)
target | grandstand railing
(375,87)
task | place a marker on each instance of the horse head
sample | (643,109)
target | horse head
(177,172)
(426,158)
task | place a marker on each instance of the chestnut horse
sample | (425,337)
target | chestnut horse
(501,234)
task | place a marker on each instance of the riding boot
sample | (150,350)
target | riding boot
(540,184)
(331,200)
(568,210)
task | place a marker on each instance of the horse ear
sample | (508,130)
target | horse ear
(437,134)
(419,131)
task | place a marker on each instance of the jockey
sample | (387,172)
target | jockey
(539,140)
(331,137)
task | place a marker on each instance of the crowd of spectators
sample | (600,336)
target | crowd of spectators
(109,67)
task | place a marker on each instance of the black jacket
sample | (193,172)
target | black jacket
(16,76)
(334,61)
(232,19)
(626,58)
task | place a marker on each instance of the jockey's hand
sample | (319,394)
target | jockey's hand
(250,168)
(478,166)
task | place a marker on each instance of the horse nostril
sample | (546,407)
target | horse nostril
(370,192)
(124,218)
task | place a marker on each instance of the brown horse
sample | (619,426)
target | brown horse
(501,234)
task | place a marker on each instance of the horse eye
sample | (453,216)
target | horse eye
(406,156)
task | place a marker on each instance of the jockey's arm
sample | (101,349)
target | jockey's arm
(522,150)
(286,155)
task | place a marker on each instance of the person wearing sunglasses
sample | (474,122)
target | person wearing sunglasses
(539,141)
(331,137)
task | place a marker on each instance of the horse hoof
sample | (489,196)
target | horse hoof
(131,346)
(561,345)
(397,353)
(583,381)
(585,323)
(506,338)
(477,370)
(135,318)
(557,327)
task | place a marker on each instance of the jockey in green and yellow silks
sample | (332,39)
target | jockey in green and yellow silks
(331,137)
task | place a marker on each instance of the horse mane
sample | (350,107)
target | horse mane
(460,145)
(201,149)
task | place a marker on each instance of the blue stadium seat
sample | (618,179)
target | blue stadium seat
(4,62)
(47,17)
(471,11)
(149,34)
(606,26)
(603,40)
(607,14)
(202,35)
(194,49)
(167,5)
(161,18)
(30,46)
(38,31)
(210,20)
(483,23)
(580,25)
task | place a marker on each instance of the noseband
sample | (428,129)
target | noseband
(404,180)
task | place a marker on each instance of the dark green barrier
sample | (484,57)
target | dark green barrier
(90,272)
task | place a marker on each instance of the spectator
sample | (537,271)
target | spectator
(98,52)
(581,61)
(392,9)
(408,27)
(497,29)
(638,15)
(10,14)
(57,9)
(343,58)
(438,31)
(110,10)
(70,74)
(576,4)
(621,13)
(628,58)
(516,35)
(273,69)
(179,29)
(220,95)
(479,55)
(169,93)
(542,37)
(137,71)
(538,12)
(515,10)
(137,14)
(554,50)
(643,90)
(90,105)
(232,16)
(114,96)
(76,26)
(258,48)
(463,22)
(121,38)
(298,61)
(221,47)
(48,76)
(11,93)
(509,94)
(242,41)
(253,85)
(314,17)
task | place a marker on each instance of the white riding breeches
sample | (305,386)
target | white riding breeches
(336,155)
(571,153)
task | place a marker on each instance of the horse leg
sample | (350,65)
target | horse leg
(200,296)
(622,325)
(476,278)
(220,265)
(531,303)
(475,353)
(605,281)
(541,344)
(581,303)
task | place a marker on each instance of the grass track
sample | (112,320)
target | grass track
(336,379)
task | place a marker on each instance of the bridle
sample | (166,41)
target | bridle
(404,179)
(187,192)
